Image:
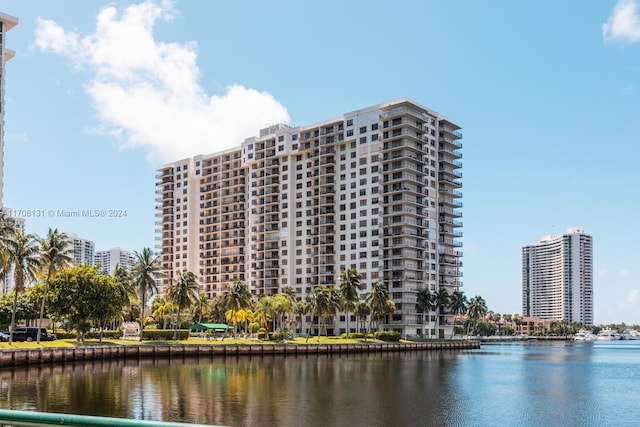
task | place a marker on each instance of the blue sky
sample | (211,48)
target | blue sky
(547,93)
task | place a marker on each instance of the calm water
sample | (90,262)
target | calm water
(520,384)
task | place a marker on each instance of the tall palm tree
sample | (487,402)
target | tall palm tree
(322,302)
(124,279)
(361,311)
(441,300)
(476,309)
(350,284)
(55,254)
(457,305)
(236,297)
(201,307)
(24,254)
(379,301)
(424,303)
(183,292)
(146,270)
(7,230)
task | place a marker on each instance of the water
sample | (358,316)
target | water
(515,384)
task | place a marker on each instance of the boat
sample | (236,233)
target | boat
(630,335)
(608,334)
(585,335)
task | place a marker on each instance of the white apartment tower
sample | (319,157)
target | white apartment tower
(109,259)
(557,277)
(377,189)
(7,22)
(83,249)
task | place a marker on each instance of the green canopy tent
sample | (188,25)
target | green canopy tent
(206,327)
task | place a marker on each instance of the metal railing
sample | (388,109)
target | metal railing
(36,419)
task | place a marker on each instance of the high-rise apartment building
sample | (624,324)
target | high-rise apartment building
(557,277)
(109,259)
(83,249)
(377,189)
(7,22)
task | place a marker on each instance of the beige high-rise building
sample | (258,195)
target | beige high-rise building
(7,22)
(377,189)
(557,277)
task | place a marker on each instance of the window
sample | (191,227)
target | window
(350,132)
(350,122)
(374,126)
(363,129)
(363,140)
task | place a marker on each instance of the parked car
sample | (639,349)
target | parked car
(4,336)
(31,334)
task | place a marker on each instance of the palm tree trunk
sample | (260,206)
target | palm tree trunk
(13,313)
(175,330)
(347,324)
(44,299)
(142,315)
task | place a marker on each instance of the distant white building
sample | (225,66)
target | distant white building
(557,277)
(83,249)
(106,261)
(9,282)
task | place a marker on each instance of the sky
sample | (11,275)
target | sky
(101,94)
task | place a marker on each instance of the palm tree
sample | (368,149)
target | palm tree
(350,284)
(361,311)
(145,272)
(476,309)
(123,277)
(322,302)
(440,300)
(457,305)
(424,303)
(201,307)
(24,254)
(236,297)
(379,302)
(182,293)
(55,254)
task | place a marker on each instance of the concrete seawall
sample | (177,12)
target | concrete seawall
(42,356)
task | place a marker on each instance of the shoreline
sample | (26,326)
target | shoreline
(53,355)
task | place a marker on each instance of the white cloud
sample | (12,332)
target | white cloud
(603,272)
(623,23)
(148,93)
(632,297)
(624,273)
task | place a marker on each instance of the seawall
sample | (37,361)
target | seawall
(41,356)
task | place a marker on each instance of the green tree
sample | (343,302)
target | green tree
(361,311)
(146,271)
(124,279)
(424,304)
(441,301)
(55,253)
(235,298)
(111,304)
(24,253)
(379,302)
(183,292)
(282,305)
(457,304)
(477,309)
(81,296)
(201,307)
(350,284)
(323,302)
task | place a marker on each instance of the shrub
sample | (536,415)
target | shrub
(164,334)
(262,334)
(388,336)
(353,335)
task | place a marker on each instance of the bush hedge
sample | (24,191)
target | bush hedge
(388,336)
